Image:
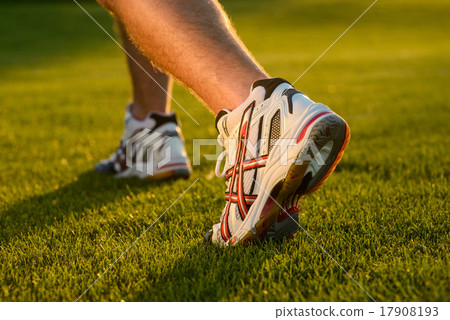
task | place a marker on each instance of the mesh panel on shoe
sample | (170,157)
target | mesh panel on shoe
(248,180)
(252,152)
(274,130)
(233,217)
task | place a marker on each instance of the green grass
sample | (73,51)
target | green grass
(383,214)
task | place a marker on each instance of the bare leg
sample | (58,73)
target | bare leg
(194,41)
(148,96)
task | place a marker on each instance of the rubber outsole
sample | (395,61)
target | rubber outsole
(179,173)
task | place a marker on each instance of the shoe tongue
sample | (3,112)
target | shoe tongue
(162,118)
(221,122)
(227,120)
(152,122)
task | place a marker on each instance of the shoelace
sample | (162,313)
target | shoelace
(223,155)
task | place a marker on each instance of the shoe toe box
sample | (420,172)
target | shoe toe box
(106,167)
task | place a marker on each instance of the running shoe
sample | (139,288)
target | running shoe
(279,146)
(149,149)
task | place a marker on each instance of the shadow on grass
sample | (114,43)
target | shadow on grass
(91,190)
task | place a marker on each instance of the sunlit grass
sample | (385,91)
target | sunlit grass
(383,214)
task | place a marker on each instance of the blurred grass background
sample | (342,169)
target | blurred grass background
(383,215)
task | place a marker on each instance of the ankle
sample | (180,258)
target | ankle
(137,111)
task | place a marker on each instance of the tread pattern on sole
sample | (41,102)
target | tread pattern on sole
(331,128)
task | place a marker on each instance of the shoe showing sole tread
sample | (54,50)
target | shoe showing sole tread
(331,136)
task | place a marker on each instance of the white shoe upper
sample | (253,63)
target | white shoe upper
(251,134)
(149,147)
